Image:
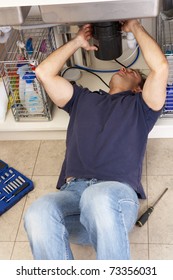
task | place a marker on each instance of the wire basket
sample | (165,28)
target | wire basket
(165,40)
(24,50)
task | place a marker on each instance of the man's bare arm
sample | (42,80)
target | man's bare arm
(154,91)
(47,72)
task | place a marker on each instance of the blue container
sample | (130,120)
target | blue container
(169,98)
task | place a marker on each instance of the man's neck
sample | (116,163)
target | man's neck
(116,90)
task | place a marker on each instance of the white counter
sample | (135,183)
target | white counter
(17,3)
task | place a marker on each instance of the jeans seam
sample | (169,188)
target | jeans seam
(66,249)
(123,221)
(125,230)
(62,221)
(129,200)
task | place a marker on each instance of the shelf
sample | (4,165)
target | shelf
(45,130)
(163,128)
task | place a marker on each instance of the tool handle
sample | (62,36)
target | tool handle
(143,219)
(21,188)
(2,165)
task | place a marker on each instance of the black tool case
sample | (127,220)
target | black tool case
(13,186)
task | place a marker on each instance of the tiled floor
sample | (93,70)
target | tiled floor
(41,161)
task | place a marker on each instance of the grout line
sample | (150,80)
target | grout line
(21,217)
(12,251)
(20,220)
(36,158)
(135,243)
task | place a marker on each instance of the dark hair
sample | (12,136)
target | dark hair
(143,78)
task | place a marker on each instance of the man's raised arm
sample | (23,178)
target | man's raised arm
(47,72)
(154,91)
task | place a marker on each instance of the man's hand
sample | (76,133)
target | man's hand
(84,35)
(127,26)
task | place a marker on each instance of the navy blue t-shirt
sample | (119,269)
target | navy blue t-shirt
(107,136)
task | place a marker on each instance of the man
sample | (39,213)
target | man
(100,181)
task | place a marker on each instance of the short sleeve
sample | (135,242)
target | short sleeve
(151,116)
(77,90)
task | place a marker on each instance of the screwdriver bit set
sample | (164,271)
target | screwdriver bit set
(13,186)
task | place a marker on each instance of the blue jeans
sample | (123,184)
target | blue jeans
(88,212)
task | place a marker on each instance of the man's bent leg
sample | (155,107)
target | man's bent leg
(46,228)
(108,212)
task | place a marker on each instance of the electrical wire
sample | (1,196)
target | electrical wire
(94,71)
(112,70)
(87,70)
(120,63)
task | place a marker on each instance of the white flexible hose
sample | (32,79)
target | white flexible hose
(6,30)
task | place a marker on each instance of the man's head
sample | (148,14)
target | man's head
(127,79)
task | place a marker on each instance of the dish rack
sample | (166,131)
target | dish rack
(26,47)
(165,40)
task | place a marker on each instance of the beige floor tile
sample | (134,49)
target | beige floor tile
(42,185)
(10,220)
(161,220)
(139,234)
(160,252)
(20,155)
(6,250)
(83,252)
(160,157)
(139,251)
(50,158)
(22,251)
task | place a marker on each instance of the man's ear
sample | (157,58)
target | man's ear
(137,89)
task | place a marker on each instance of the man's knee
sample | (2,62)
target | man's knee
(99,195)
(39,213)
(108,199)
(89,199)
(33,214)
(94,203)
